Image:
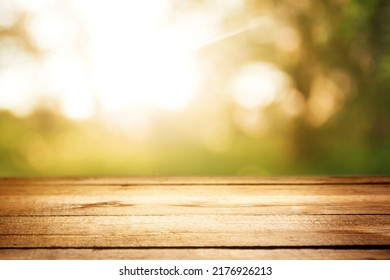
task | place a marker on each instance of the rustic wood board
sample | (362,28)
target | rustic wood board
(194,254)
(158,180)
(195,218)
(199,199)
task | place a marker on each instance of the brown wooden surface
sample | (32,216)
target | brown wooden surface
(195,218)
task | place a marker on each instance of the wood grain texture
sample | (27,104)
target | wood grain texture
(187,180)
(193,254)
(200,199)
(193,230)
(195,218)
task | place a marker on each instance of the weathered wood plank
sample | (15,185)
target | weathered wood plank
(205,189)
(209,190)
(189,231)
(121,208)
(193,254)
(160,180)
(202,199)
(195,218)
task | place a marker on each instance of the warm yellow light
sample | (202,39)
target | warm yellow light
(115,56)
(16,85)
(157,73)
(258,85)
(136,58)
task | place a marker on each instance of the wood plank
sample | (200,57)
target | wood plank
(195,218)
(189,231)
(202,199)
(120,208)
(193,254)
(205,189)
(161,180)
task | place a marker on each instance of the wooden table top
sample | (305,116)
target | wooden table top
(195,218)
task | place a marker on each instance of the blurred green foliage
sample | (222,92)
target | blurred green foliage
(342,43)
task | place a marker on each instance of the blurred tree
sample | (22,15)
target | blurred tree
(347,45)
(336,55)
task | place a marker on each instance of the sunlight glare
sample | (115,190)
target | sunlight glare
(136,58)
(16,94)
(8,14)
(105,57)
(67,78)
(258,85)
